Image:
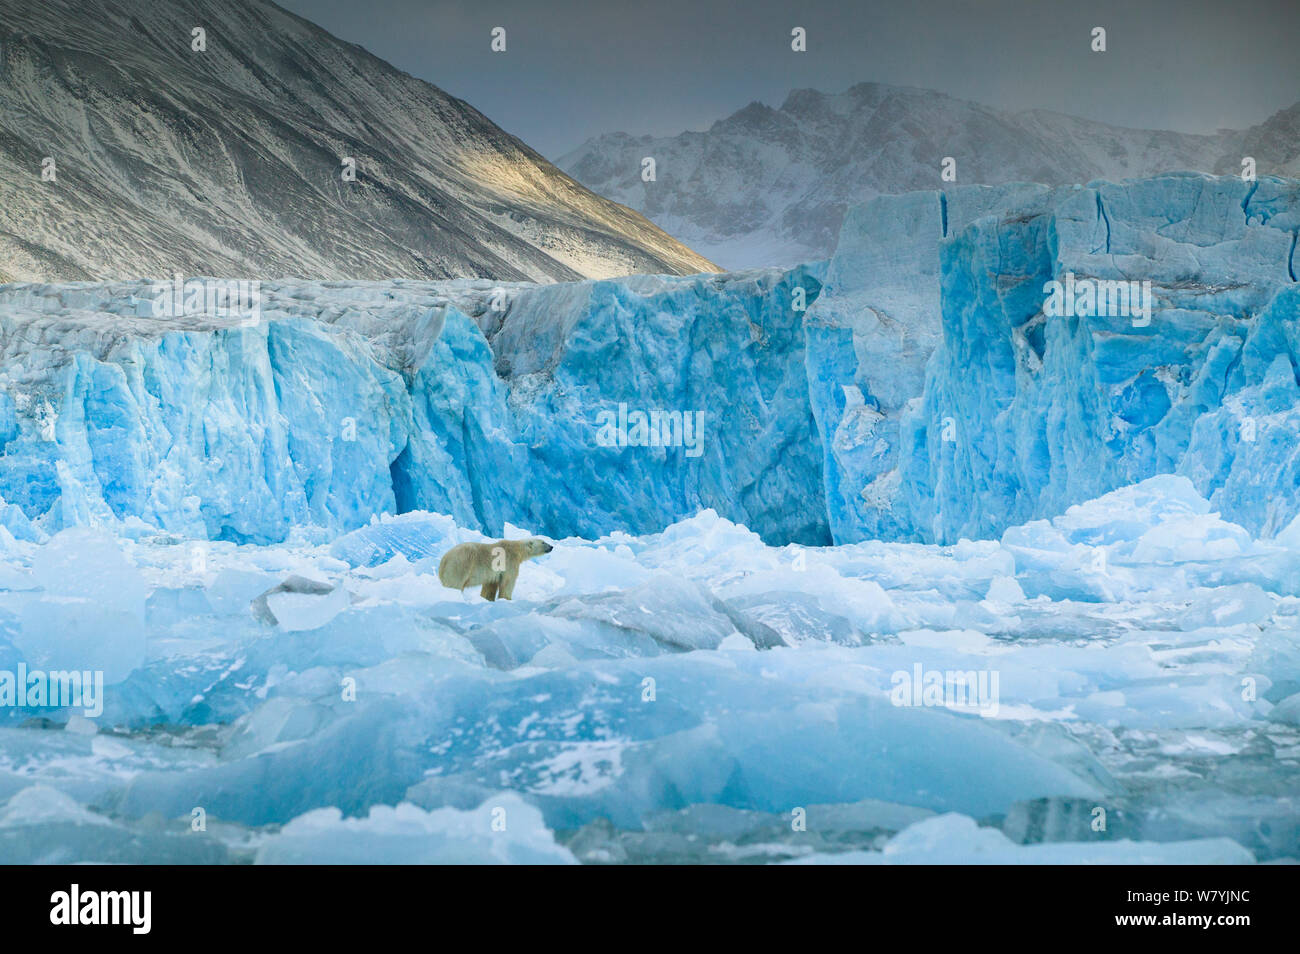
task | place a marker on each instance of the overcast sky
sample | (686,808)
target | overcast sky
(577,68)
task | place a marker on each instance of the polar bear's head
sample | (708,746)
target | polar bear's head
(535,547)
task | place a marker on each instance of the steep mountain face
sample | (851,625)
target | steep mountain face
(229,160)
(771,186)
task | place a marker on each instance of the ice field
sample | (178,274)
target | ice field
(691,695)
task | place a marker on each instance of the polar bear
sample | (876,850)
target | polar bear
(494,566)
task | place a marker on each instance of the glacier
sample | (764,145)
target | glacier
(1046,412)
(952,406)
(350,400)
(907,467)
(910,388)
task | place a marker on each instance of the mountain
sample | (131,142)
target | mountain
(228,161)
(770,186)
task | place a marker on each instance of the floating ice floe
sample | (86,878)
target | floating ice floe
(691,671)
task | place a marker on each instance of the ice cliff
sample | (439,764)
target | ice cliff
(344,401)
(921,393)
(952,404)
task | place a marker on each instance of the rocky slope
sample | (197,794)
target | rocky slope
(228,161)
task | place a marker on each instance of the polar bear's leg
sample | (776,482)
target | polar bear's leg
(508,583)
(489,590)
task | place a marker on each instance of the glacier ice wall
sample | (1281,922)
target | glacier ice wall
(912,388)
(1024,414)
(349,400)
(950,404)
(870,336)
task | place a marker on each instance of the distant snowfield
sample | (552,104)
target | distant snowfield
(697,689)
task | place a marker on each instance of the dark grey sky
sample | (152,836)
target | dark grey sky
(577,68)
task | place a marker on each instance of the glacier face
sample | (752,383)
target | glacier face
(1025,413)
(951,404)
(870,337)
(915,387)
(477,400)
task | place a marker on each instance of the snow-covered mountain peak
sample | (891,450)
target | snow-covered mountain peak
(769,186)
